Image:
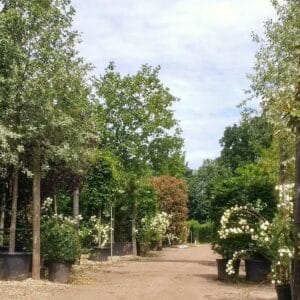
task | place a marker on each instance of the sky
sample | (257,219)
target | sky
(204,48)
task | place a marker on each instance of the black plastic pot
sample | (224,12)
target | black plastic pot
(99,254)
(59,272)
(222,274)
(142,249)
(283,292)
(122,248)
(15,266)
(159,246)
(257,270)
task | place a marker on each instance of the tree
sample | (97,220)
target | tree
(137,113)
(172,198)
(277,82)
(250,184)
(243,143)
(201,188)
(44,90)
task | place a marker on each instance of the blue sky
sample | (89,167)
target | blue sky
(204,48)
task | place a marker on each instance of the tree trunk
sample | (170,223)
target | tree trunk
(133,228)
(55,204)
(99,232)
(296,264)
(76,202)
(13,219)
(2,216)
(76,205)
(36,217)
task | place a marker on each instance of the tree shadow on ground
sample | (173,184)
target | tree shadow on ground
(201,262)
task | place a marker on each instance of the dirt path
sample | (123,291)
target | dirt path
(173,274)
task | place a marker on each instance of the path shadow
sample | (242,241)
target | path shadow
(210,263)
(201,262)
(210,277)
(175,261)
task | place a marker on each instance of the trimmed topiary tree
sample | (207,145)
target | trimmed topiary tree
(172,197)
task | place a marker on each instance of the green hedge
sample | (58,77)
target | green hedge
(200,232)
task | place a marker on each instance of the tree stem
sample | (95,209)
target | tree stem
(36,218)
(13,219)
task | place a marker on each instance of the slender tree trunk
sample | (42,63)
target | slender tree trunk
(133,228)
(282,168)
(36,217)
(76,205)
(55,203)
(296,262)
(13,219)
(99,232)
(2,216)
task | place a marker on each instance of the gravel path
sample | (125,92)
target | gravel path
(173,274)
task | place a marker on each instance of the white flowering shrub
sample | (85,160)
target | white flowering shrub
(246,223)
(94,232)
(154,228)
(283,244)
(100,231)
(271,240)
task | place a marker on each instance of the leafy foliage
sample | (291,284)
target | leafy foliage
(242,144)
(249,184)
(60,241)
(200,232)
(172,198)
(201,188)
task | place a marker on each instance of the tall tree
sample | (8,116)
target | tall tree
(172,198)
(43,97)
(243,143)
(138,113)
(277,82)
(201,188)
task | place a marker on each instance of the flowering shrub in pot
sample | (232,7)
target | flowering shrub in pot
(282,242)
(60,245)
(226,248)
(246,223)
(153,230)
(99,232)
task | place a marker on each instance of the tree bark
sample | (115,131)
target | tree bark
(133,228)
(13,219)
(76,202)
(36,217)
(296,262)
(99,233)
(2,216)
(55,204)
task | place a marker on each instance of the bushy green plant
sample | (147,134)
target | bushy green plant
(200,232)
(194,226)
(205,232)
(60,240)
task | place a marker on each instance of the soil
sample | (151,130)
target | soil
(174,273)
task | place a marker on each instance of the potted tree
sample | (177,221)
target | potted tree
(226,248)
(100,233)
(245,223)
(282,243)
(60,246)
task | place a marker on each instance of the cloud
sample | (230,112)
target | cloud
(203,46)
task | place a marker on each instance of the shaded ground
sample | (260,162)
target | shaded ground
(172,274)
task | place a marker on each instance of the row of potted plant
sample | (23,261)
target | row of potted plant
(62,237)
(266,246)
